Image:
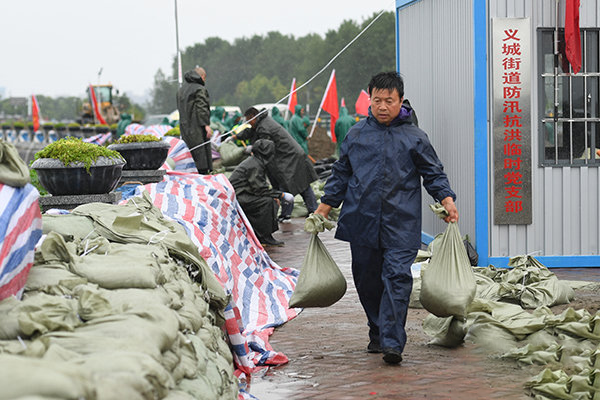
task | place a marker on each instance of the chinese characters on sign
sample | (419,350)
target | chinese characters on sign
(511,70)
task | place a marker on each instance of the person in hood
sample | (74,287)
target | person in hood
(194,118)
(258,200)
(124,122)
(217,120)
(342,126)
(297,128)
(276,115)
(377,179)
(291,170)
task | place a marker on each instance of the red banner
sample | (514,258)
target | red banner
(293,99)
(362,103)
(35,113)
(572,37)
(95,106)
(330,103)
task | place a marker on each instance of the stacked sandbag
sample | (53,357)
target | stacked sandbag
(111,314)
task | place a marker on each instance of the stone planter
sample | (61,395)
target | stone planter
(88,131)
(73,179)
(143,155)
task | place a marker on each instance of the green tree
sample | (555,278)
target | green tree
(163,97)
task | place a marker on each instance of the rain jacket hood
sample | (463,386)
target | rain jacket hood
(297,109)
(343,111)
(193,77)
(264,149)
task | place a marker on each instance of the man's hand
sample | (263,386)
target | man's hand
(209,131)
(450,207)
(323,209)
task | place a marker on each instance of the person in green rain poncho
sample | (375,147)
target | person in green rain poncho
(342,126)
(216,120)
(125,121)
(297,128)
(276,115)
(233,120)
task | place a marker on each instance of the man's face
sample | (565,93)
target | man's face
(385,105)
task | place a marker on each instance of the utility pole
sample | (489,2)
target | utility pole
(179,74)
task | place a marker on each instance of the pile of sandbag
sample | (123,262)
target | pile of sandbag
(119,304)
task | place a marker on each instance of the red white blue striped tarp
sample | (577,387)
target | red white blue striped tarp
(180,154)
(20,230)
(99,139)
(206,206)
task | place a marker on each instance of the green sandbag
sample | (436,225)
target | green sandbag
(231,154)
(321,282)
(13,170)
(448,284)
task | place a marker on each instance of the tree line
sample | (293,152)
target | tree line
(260,69)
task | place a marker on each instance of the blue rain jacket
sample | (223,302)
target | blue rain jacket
(378,179)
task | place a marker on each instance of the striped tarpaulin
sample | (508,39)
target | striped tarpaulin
(134,129)
(99,139)
(20,230)
(180,154)
(206,206)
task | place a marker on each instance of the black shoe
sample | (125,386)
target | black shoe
(271,241)
(374,347)
(284,219)
(392,356)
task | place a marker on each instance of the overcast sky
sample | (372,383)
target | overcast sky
(57,47)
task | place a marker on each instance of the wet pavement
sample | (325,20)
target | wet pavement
(327,354)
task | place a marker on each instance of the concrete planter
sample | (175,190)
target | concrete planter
(73,179)
(142,155)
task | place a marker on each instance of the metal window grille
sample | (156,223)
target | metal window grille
(569,106)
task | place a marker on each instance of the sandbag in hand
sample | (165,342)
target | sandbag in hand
(316,223)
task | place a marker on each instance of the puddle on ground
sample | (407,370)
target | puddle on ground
(288,384)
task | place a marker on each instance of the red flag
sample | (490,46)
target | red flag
(95,106)
(572,38)
(293,99)
(343,103)
(35,113)
(330,103)
(362,103)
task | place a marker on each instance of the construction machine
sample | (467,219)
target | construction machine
(104,97)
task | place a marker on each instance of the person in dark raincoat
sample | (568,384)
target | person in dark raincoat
(277,117)
(258,200)
(297,128)
(194,118)
(342,126)
(291,170)
(378,179)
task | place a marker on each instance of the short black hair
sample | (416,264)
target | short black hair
(251,112)
(387,80)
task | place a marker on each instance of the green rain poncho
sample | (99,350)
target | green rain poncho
(342,126)
(297,128)
(277,117)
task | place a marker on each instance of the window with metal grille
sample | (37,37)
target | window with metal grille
(569,104)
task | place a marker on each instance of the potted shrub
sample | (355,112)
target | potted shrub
(71,166)
(142,151)
(61,129)
(113,127)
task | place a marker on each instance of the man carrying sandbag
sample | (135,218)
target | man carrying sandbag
(378,179)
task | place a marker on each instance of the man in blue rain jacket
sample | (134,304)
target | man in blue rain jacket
(378,180)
